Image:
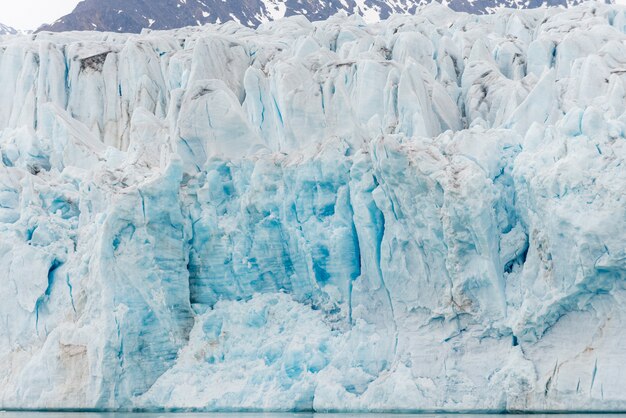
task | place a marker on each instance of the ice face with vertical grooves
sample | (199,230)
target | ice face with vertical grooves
(426,213)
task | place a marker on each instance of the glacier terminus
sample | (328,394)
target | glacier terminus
(426,213)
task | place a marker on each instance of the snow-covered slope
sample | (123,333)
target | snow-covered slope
(425,213)
(7,30)
(134,15)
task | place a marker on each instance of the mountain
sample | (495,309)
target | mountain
(7,30)
(426,214)
(134,15)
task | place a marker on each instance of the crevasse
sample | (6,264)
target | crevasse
(425,213)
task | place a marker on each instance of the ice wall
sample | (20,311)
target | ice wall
(422,214)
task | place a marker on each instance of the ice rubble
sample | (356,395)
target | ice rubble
(421,214)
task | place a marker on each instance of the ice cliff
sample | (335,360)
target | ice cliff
(427,213)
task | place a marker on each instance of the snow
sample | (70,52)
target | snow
(7,30)
(425,213)
(175,14)
(274,9)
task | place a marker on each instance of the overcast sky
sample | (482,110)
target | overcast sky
(30,14)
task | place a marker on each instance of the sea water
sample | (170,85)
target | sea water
(39,414)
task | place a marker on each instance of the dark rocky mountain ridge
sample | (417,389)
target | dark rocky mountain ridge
(135,15)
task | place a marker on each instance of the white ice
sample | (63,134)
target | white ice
(426,213)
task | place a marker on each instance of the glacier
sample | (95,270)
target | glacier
(422,214)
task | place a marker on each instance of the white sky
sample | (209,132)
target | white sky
(30,14)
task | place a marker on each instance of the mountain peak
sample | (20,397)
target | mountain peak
(135,15)
(7,30)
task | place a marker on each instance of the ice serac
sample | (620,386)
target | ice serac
(426,213)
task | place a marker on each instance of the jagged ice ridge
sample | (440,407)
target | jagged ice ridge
(423,213)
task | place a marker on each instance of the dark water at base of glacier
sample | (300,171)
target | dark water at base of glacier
(44,414)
